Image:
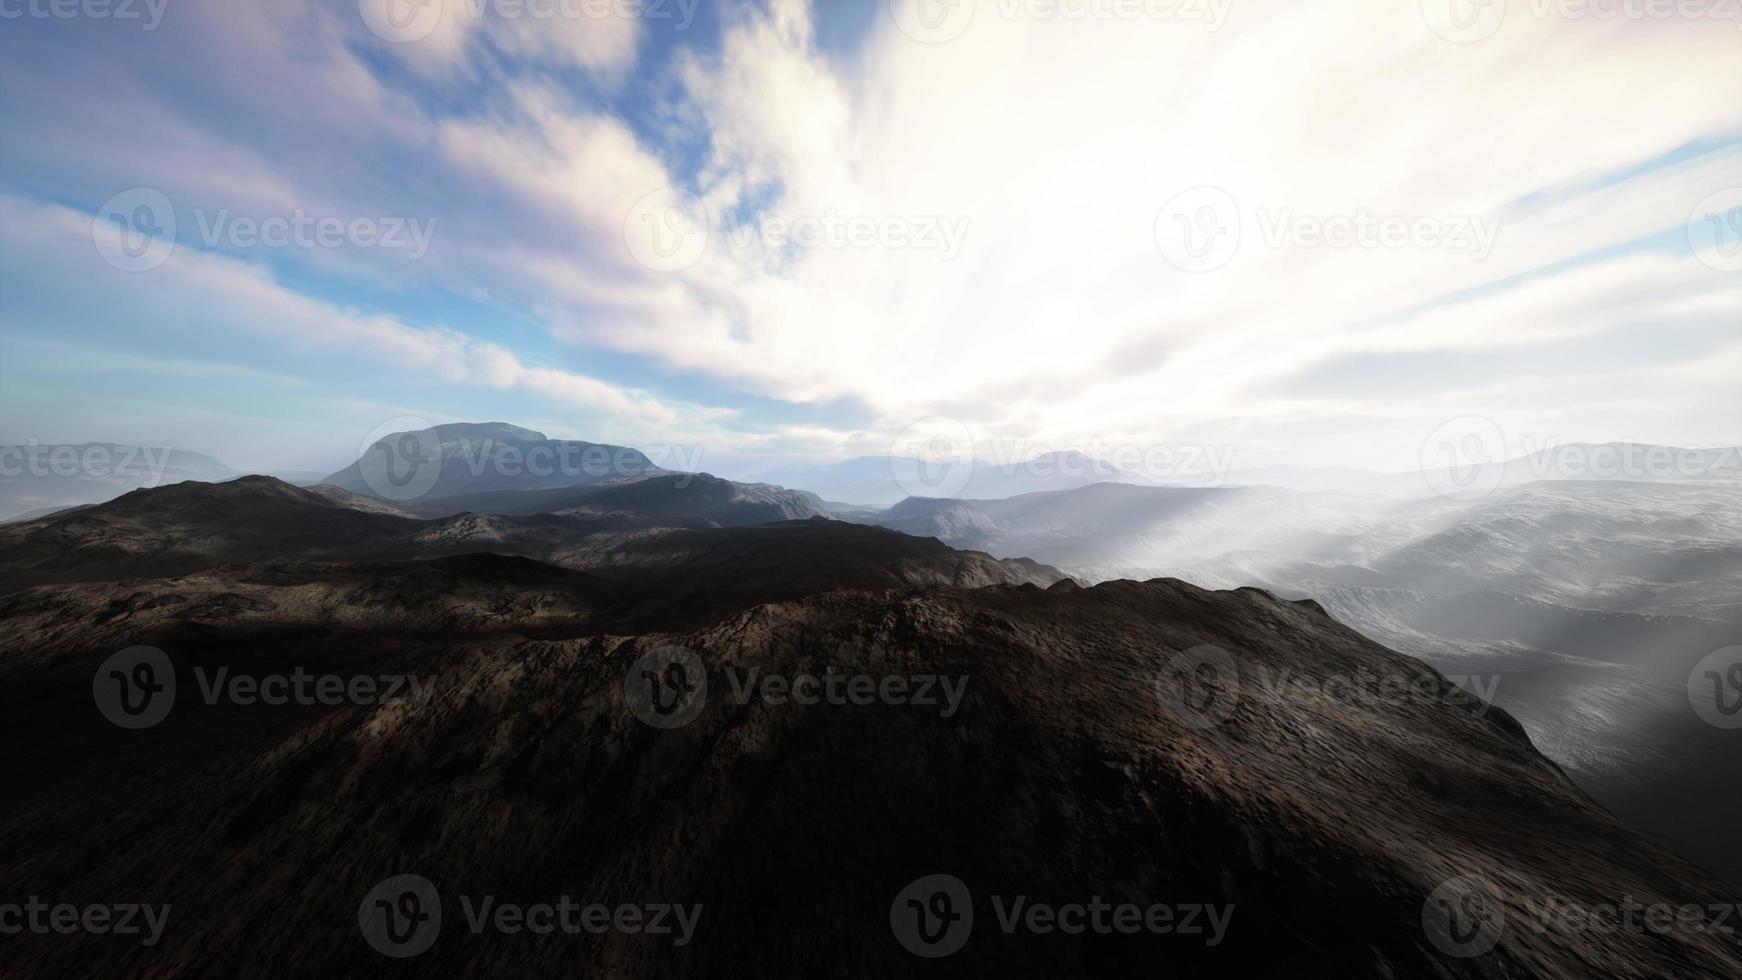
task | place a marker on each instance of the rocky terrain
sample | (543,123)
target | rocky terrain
(1581,606)
(1133,744)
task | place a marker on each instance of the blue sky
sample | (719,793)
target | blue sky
(993,201)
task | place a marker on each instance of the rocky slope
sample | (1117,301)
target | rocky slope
(1318,829)
(1223,782)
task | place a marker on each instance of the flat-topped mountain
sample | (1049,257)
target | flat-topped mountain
(482,457)
(697,496)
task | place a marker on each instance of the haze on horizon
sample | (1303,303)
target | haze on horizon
(788,232)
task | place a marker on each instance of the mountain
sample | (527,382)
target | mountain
(1084,757)
(1584,606)
(40,479)
(474,458)
(654,555)
(884,480)
(1629,462)
(696,496)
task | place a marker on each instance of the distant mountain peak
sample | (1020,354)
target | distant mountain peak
(488,430)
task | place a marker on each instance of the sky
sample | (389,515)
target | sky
(780,233)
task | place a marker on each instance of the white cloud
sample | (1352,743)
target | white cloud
(231,292)
(1056,143)
(1059,141)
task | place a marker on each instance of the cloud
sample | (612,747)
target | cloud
(235,293)
(445,36)
(1054,144)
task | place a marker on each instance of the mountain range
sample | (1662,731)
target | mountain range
(1086,756)
(882,481)
(1583,606)
(1275,748)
